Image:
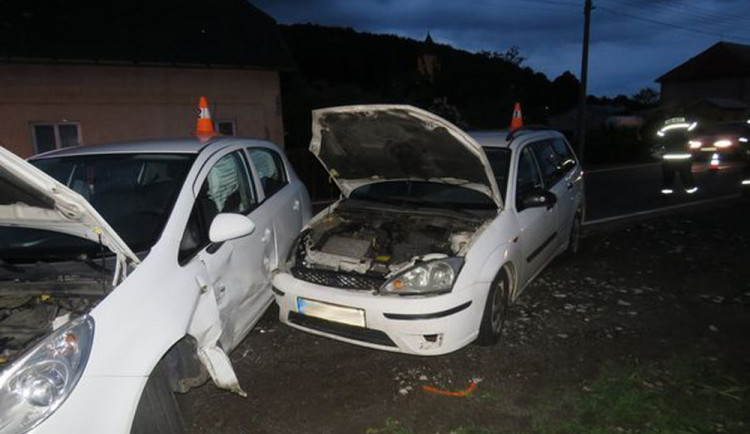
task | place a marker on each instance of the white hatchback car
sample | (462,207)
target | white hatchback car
(128,271)
(436,232)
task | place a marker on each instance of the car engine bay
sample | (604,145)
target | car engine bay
(378,244)
(37,298)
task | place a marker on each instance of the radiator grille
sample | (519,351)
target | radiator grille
(338,279)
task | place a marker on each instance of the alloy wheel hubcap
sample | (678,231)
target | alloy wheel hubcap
(498,306)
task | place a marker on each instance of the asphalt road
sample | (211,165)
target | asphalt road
(632,190)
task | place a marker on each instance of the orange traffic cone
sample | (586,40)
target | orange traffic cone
(516,121)
(204,129)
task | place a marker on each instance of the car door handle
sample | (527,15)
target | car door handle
(266,235)
(295,207)
(570,185)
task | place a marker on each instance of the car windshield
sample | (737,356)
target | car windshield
(500,162)
(424,194)
(134,193)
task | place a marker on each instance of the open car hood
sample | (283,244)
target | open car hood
(364,144)
(32,199)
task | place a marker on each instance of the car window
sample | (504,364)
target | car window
(549,161)
(424,194)
(270,169)
(565,153)
(226,189)
(133,192)
(528,178)
(499,159)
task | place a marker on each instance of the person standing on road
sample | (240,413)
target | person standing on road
(673,148)
(745,155)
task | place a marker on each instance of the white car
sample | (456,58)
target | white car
(436,231)
(129,271)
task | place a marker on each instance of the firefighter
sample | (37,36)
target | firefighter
(745,156)
(673,147)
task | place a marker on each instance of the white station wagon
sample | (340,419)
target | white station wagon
(436,231)
(129,271)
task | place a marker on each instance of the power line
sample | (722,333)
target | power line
(524,4)
(666,24)
(714,19)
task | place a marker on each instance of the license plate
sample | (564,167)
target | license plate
(331,312)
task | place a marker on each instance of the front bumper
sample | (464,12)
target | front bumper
(96,405)
(431,325)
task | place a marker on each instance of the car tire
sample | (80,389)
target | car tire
(495,310)
(574,241)
(158,411)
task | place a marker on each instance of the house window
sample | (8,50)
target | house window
(48,136)
(225,127)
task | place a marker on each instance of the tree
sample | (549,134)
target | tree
(512,55)
(564,92)
(646,96)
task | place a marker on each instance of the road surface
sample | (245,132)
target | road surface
(632,190)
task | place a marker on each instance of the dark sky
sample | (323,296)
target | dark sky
(633,41)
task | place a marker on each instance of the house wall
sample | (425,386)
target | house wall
(132,102)
(676,92)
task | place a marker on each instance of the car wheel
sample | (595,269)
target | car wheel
(574,242)
(158,411)
(495,310)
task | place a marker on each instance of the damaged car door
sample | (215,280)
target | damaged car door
(280,198)
(237,267)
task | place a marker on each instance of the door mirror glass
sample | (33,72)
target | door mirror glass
(539,198)
(228,226)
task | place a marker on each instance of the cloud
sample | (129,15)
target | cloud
(629,46)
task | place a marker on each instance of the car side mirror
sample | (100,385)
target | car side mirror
(538,198)
(228,226)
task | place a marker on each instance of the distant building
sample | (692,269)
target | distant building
(717,79)
(87,71)
(428,64)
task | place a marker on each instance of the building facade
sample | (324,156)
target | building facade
(719,75)
(61,88)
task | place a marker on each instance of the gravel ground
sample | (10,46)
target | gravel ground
(677,285)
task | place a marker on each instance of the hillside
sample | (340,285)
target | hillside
(476,90)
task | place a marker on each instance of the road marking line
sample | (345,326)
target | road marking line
(656,210)
(612,169)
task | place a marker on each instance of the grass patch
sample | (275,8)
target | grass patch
(391,426)
(682,397)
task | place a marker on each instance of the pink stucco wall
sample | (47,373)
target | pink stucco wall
(129,102)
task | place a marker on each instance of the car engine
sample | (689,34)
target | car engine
(37,298)
(377,244)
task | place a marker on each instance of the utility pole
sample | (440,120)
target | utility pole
(584,77)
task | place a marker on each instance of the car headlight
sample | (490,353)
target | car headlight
(298,246)
(723,143)
(695,144)
(34,386)
(427,277)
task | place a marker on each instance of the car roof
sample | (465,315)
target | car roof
(491,138)
(181,145)
(499,138)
